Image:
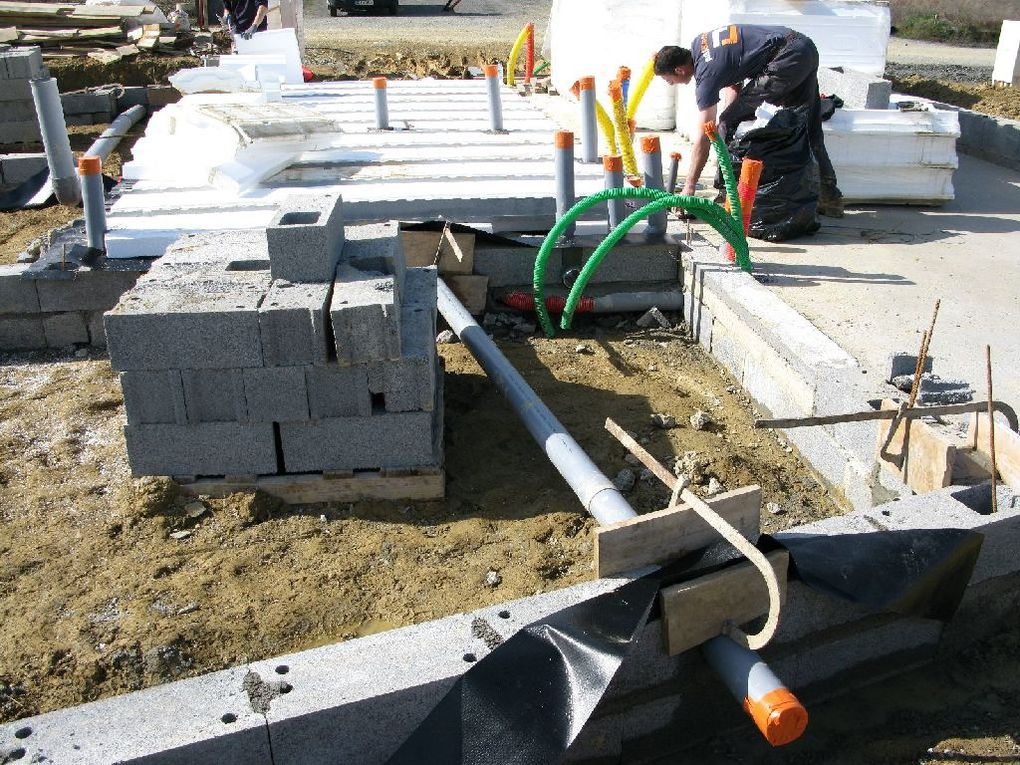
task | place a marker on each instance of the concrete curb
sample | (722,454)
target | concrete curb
(993,139)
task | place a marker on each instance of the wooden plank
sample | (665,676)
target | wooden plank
(472,290)
(932,454)
(313,489)
(1007,447)
(698,610)
(8,34)
(456,251)
(655,538)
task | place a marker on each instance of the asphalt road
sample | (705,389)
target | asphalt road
(424,21)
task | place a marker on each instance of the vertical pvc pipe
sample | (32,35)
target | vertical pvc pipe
(589,124)
(93,198)
(57,144)
(495,102)
(564,158)
(651,152)
(780,717)
(674,171)
(382,110)
(747,189)
(613,166)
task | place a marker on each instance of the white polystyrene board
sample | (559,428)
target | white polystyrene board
(880,151)
(596,37)
(894,184)
(1007,55)
(282,41)
(214,80)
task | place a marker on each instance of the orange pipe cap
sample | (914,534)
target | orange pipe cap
(636,181)
(587,83)
(89,165)
(379,83)
(779,716)
(676,155)
(564,139)
(623,73)
(616,90)
(710,130)
(613,163)
(491,70)
(650,144)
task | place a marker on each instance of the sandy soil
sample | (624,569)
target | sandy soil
(109,584)
(985,98)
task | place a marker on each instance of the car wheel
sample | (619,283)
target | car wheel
(332,12)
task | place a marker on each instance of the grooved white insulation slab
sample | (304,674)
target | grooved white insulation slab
(225,161)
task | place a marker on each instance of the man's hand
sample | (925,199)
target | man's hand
(246,34)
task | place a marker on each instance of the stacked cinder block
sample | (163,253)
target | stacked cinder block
(56,309)
(93,107)
(290,350)
(18,66)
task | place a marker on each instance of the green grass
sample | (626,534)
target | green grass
(940,29)
(968,22)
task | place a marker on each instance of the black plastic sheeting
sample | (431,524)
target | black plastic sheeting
(36,192)
(527,700)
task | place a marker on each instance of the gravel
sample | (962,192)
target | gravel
(978,75)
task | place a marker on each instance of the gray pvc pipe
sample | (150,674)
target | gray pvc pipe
(93,197)
(653,180)
(596,492)
(564,161)
(589,127)
(495,105)
(674,171)
(119,128)
(382,110)
(50,113)
(617,207)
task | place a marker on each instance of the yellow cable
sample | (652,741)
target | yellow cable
(638,92)
(607,128)
(515,53)
(623,131)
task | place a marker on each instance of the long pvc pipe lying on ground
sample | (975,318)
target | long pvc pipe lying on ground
(596,492)
(119,128)
(59,157)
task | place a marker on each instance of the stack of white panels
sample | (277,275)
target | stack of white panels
(895,156)
(594,38)
(1007,55)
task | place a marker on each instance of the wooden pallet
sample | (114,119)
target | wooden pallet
(418,484)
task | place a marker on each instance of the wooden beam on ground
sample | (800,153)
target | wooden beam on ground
(655,538)
(313,489)
(698,610)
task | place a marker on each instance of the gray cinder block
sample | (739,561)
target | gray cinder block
(21,332)
(292,323)
(85,290)
(20,132)
(17,111)
(408,385)
(403,440)
(15,169)
(97,333)
(214,395)
(336,391)
(22,63)
(97,101)
(375,247)
(63,329)
(17,294)
(153,398)
(136,95)
(514,265)
(857,89)
(306,238)
(276,394)
(14,90)
(365,316)
(191,322)
(211,448)
(903,363)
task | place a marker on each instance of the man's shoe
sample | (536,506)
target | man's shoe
(830,201)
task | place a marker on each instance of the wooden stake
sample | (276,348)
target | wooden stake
(991,425)
(915,388)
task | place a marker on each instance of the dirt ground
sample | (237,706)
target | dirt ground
(130,584)
(986,98)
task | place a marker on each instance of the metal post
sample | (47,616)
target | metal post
(592,487)
(674,171)
(382,112)
(495,100)
(94,200)
(589,125)
(58,146)
(652,153)
(564,154)
(613,166)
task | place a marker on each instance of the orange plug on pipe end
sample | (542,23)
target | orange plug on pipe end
(710,131)
(491,70)
(564,139)
(615,90)
(676,155)
(612,163)
(779,716)
(636,181)
(623,73)
(650,144)
(632,126)
(379,83)
(88,165)
(586,83)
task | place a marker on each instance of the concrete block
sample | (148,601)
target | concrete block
(214,395)
(857,89)
(902,363)
(20,132)
(15,169)
(63,329)
(17,294)
(21,332)
(86,290)
(634,260)
(408,385)
(1007,55)
(193,322)
(154,398)
(161,95)
(214,252)
(375,247)
(135,95)
(292,324)
(335,391)
(14,90)
(22,64)
(365,316)
(404,440)
(89,103)
(211,448)
(97,332)
(306,238)
(18,111)
(277,394)
(514,265)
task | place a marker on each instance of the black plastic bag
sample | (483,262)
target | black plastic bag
(786,205)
